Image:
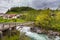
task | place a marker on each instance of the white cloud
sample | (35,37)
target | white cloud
(6,4)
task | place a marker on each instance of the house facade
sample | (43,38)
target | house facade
(11,16)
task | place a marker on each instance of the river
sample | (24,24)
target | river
(35,36)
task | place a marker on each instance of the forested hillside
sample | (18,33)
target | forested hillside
(48,19)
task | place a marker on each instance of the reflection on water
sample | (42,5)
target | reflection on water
(35,36)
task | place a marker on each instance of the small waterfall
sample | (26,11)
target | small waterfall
(33,35)
(36,36)
(57,38)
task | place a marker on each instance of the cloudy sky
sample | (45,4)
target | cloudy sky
(37,4)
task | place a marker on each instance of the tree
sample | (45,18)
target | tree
(42,20)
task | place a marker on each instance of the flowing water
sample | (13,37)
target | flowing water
(35,36)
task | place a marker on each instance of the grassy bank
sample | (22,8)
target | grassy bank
(15,35)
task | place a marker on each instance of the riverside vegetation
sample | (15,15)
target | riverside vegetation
(15,35)
(44,18)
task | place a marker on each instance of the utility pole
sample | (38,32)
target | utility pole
(45,6)
(1,35)
(58,7)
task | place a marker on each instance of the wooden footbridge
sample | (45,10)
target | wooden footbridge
(9,26)
(4,26)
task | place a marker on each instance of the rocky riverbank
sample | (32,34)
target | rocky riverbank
(36,33)
(43,31)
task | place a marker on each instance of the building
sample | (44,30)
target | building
(11,16)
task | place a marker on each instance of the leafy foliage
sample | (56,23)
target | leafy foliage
(20,9)
(48,19)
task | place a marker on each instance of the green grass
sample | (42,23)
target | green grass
(12,20)
(20,20)
(16,36)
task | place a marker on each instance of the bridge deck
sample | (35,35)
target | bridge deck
(4,26)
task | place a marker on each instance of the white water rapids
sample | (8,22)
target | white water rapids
(33,35)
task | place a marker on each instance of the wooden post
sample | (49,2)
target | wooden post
(15,24)
(1,35)
(10,30)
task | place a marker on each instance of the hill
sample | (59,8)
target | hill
(20,9)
